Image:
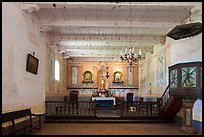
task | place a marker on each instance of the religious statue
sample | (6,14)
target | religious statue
(88,77)
(102,83)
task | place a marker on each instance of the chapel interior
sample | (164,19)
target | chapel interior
(100,61)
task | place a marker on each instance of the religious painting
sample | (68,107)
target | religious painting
(87,77)
(74,75)
(32,64)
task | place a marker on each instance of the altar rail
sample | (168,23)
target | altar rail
(140,108)
(67,108)
(89,108)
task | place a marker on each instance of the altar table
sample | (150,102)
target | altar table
(104,101)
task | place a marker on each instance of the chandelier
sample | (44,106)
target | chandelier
(130,56)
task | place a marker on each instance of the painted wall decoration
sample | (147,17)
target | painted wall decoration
(161,72)
(173,78)
(74,75)
(189,77)
(130,76)
(150,77)
(142,79)
(51,66)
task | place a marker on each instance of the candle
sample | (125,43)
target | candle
(135,55)
(121,52)
(140,52)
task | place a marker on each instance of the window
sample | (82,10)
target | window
(57,70)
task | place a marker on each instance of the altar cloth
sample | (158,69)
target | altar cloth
(104,101)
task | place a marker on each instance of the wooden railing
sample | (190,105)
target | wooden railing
(164,97)
(140,108)
(67,108)
(89,108)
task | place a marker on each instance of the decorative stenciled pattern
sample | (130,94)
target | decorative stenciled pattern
(142,79)
(189,77)
(149,72)
(130,76)
(173,78)
(161,72)
(51,66)
(74,75)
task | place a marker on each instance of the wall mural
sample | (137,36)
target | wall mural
(142,79)
(149,77)
(130,76)
(51,66)
(173,78)
(74,75)
(161,73)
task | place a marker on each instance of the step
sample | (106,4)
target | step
(106,121)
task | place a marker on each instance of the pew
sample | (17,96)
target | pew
(27,121)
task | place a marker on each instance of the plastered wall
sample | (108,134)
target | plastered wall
(187,50)
(153,72)
(54,87)
(94,68)
(20,36)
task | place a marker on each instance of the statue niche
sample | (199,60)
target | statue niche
(87,77)
(102,83)
(117,77)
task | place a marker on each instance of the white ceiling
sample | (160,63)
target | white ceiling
(98,31)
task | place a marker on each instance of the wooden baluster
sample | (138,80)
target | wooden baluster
(94,107)
(69,107)
(148,108)
(158,106)
(144,108)
(121,107)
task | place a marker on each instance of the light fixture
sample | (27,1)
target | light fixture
(130,56)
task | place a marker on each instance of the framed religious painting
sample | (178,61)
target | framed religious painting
(32,64)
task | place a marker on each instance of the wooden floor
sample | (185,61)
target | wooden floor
(109,129)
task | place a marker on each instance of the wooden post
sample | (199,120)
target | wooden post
(187,106)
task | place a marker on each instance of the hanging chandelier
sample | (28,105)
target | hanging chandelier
(130,56)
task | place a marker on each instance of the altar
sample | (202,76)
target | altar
(104,101)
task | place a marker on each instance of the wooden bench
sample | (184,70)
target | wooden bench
(29,122)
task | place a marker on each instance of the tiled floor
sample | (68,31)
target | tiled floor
(109,129)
